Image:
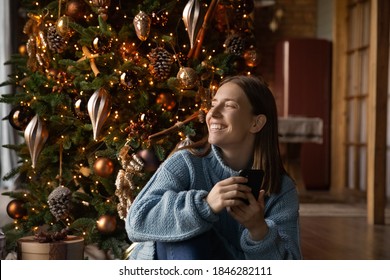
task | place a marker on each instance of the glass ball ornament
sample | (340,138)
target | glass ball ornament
(187,77)
(62,26)
(129,79)
(166,100)
(101,44)
(252,58)
(103,167)
(149,159)
(106,224)
(20,116)
(76,9)
(80,108)
(16,209)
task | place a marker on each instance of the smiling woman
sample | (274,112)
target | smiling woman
(197,206)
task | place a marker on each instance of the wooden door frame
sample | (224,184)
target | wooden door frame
(377,106)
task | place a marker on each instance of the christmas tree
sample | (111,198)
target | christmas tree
(104,91)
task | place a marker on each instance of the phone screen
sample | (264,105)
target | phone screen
(255,179)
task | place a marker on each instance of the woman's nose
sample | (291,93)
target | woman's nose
(215,111)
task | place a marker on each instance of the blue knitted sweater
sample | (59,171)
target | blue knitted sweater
(171,207)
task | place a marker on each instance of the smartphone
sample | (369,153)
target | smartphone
(255,179)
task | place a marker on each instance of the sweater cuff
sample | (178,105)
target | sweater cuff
(253,246)
(204,208)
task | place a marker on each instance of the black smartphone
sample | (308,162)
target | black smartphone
(255,179)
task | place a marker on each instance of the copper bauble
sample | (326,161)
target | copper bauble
(15,209)
(252,57)
(106,224)
(103,167)
(75,9)
(167,101)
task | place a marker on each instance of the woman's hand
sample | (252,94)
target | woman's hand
(228,193)
(251,216)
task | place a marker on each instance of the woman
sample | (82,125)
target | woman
(196,206)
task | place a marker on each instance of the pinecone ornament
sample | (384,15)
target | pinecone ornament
(160,63)
(56,42)
(59,202)
(235,44)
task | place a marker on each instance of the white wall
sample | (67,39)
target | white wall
(7,136)
(324,19)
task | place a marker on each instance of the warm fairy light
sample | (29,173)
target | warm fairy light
(62,136)
(84,233)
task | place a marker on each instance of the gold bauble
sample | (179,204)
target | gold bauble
(62,26)
(142,24)
(187,77)
(103,167)
(106,224)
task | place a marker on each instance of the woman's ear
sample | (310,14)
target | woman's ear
(258,124)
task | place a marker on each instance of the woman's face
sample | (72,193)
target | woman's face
(230,121)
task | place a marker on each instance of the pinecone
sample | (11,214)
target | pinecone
(56,42)
(235,44)
(59,202)
(160,63)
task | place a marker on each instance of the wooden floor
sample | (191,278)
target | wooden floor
(339,231)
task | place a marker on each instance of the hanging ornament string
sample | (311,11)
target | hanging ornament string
(59,8)
(60,175)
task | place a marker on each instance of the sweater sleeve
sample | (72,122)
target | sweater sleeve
(283,238)
(168,208)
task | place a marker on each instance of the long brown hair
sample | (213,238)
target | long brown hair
(266,154)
